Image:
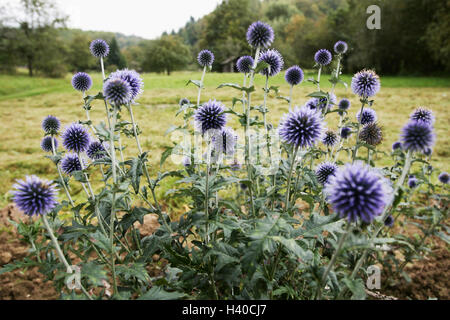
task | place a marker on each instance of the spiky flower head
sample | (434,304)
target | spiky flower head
(294,75)
(444,177)
(99,48)
(46,143)
(225,141)
(340,47)
(96,150)
(76,138)
(35,196)
(51,125)
(210,116)
(371,134)
(301,127)
(184,101)
(329,138)
(344,104)
(346,132)
(70,163)
(428,152)
(357,191)
(245,64)
(368,115)
(81,81)
(417,136)
(323,57)
(422,114)
(260,34)
(389,222)
(205,58)
(396,146)
(275,61)
(117,91)
(324,171)
(133,79)
(365,83)
(320,103)
(412,182)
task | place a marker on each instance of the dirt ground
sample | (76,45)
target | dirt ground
(430,276)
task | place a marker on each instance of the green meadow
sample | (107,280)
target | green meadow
(25,101)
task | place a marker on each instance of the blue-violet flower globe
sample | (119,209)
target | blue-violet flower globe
(324,171)
(210,116)
(417,136)
(35,196)
(205,58)
(365,83)
(81,81)
(323,57)
(133,79)
(51,125)
(117,92)
(245,64)
(275,61)
(260,34)
(294,75)
(46,144)
(99,48)
(76,138)
(70,163)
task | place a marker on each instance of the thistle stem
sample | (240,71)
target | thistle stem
(291,170)
(355,150)
(63,183)
(201,86)
(290,97)
(318,78)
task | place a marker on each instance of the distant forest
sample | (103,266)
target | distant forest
(414,38)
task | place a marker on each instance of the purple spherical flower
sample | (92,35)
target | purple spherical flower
(96,150)
(357,191)
(81,81)
(99,48)
(344,104)
(210,116)
(245,64)
(117,92)
(184,101)
(396,146)
(365,83)
(371,134)
(324,171)
(329,138)
(35,196)
(76,138)
(444,177)
(320,103)
(428,152)
(323,57)
(389,222)
(340,47)
(368,115)
(422,114)
(275,61)
(51,125)
(224,141)
(417,136)
(346,132)
(301,127)
(70,163)
(412,182)
(133,79)
(205,58)
(260,34)
(46,144)
(294,75)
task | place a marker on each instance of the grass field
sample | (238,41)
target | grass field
(24,102)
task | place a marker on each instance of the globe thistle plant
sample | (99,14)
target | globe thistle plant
(324,171)
(294,75)
(323,57)
(96,150)
(368,115)
(344,104)
(81,81)
(422,114)
(329,138)
(417,136)
(396,146)
(412,182)
(260,34)
(340,47)
(245,64)
(210,116)
(346,132)
(224,142)
(371,134)
(35,196)
(444,177)
(46,144)
(205,58)
(301,127)
(117,92)
(76,138)
(428,152)
(51,125)
(99,48)
(358,192)
(275,61)
(389,221)
(70,163)
(365,83)
(133,79)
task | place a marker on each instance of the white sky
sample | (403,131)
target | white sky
(145,18)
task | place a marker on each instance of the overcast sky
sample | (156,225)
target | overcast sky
(145,18)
